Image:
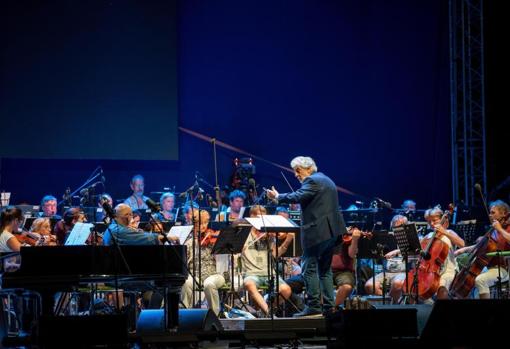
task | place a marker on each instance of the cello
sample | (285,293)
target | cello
(427,273)
(477,260)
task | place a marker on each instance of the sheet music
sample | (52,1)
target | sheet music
(79,234)
(270,221)
(182,231)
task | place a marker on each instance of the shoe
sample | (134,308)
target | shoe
(307,312)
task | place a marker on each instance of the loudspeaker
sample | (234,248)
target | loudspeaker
(372,326)
(190,320)
(467,322)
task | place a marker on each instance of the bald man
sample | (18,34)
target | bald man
(123,233)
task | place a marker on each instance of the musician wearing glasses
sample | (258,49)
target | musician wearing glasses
(49,207)
(123,233)
(212,279)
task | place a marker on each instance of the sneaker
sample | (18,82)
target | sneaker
(308,312)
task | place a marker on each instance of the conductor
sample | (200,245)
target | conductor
(322,224)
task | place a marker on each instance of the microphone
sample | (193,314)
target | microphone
(383,203)
(153,205)
(190,189)
(84,191)
(210,201)
(478,187)
(251,182)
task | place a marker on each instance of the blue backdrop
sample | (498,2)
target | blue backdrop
(361,86)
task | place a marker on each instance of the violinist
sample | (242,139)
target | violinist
(10,220)
(213,280)
(63,227)
(120,230)
(342,265)
(447,272)
(42,227)
(499,212)
(255,263)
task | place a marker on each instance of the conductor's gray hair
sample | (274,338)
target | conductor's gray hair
(303,162)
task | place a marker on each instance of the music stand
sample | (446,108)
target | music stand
(467,230)
(231,241)
(409,244)
(273,224)
(375,248)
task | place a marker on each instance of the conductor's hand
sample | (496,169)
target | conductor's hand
(272,193)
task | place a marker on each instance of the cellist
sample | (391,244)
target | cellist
(449,237)
(499,212)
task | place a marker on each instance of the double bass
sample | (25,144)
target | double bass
(426,275)
(477,260)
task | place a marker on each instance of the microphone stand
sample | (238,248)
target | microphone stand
(190,198)
(87,182)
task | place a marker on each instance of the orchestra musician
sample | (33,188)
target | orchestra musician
(499,212)
(42,227)
(204,240)
(120,230)
(395,274)
(49,207)
(167,203)
(100,216)
(254,259)
(10,220)
(236,208)
(342,265)
(63,227)
(449,237)
(188,210)
(137,200)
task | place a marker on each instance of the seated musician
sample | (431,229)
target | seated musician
(49,207)
(212,280)
(284,212)
(188,210)
(499,215)
(10,220)
(42,227)
(236,208)
(167,203)
(137,200)
(100,216)
(120,230)
(433,217)
(63,227)
(342,265)
(395,274)
(255,262)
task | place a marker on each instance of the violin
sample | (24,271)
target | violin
(347,238)
(210,237)
(24,237)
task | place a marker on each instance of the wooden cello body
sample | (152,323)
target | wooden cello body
(424,279)
(464,281)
